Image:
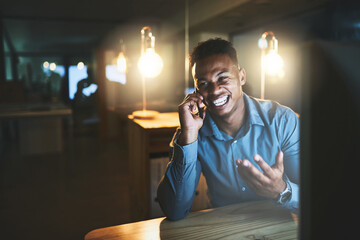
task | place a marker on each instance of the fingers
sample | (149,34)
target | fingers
(190,122)
(271,171)
(249,172)
(195,95)
(260,183)
(268,171)
(279,161)
(257,181)
(201,102)
(191,102)
(267,183)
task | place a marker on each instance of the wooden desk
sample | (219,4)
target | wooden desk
(252,220)
(149,141)
(147,137)
(27,112)
(39,125)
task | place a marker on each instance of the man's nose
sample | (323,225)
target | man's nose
(214,88)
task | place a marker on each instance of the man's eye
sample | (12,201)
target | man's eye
(223,78)
(202,84)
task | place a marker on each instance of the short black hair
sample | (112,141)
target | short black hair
(211,47)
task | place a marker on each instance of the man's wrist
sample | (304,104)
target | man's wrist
(280,190)
(285,195)
(186,137)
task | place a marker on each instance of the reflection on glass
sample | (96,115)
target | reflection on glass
(80,65)
(75,75)
(90,89)
(113,74)
(52,66)
(46,64)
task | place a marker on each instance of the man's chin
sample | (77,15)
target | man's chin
(222,112)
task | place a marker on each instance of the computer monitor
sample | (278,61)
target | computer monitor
(330,141)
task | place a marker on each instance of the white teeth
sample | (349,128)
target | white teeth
(220,101)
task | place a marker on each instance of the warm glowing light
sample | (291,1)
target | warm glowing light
(145,114)
(121,63)
(52,66)
(281,73)
(274,64)
(271,63)
(46,64)
(262,43)
(80,65)
(150,64)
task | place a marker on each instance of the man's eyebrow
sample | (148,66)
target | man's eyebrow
(221,72)
(200,78)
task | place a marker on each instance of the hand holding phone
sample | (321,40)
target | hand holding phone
(200,110)
(201,114)
(191,118)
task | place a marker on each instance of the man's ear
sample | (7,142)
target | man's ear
(242,75)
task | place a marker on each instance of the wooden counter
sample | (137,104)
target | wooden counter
(40,126)
(252,220)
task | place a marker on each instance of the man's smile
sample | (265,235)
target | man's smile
(220,101)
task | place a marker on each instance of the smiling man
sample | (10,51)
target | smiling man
(247,149)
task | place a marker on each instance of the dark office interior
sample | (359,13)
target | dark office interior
(66,171)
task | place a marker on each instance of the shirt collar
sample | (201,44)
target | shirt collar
(253,108)
(210,128)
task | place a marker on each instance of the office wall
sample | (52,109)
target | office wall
(284,90)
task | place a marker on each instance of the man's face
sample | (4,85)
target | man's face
(220,82)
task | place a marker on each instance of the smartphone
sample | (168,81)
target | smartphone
(201,114)
(201,110)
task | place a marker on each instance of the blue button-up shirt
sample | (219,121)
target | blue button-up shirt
(268,128)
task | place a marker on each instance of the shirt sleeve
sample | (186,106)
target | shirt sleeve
(176,190)
(293,203)
(290,145)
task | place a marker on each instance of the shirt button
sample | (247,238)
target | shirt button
(243,189)
(235,141)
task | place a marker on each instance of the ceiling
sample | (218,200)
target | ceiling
(251,14)
(39,26)
(89,10)
(43,26)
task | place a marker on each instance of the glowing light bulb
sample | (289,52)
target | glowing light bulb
(262,43)
(121,63)
(274,64)
(150,64)
(46,64)
(52,66)
(80,65)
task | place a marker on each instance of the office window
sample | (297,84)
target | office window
(75,75)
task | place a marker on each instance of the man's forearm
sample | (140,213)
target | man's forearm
(177,188)
(175,198)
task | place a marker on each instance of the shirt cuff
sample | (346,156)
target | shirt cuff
(187,153)
(293,203)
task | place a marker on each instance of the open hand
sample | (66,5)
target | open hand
(268,183)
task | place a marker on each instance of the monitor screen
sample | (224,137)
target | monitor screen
(330,137)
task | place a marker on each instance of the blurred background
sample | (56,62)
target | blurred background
(65,171)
